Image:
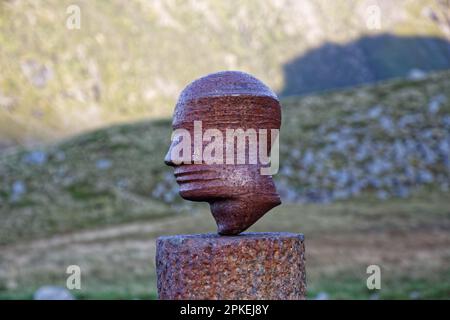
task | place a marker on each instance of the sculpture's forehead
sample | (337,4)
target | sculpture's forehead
(227,95)
(226,83)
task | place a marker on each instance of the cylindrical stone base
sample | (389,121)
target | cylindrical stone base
(247,266)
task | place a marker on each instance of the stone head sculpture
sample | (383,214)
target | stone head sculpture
(225,125)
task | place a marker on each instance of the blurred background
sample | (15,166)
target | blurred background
(87,90)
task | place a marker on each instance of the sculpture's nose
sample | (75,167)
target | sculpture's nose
(167,159)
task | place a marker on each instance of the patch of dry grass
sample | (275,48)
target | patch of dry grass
(410,240)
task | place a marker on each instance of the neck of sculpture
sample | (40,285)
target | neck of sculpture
(236,214)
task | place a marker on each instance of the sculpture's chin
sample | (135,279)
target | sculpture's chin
(237,200)
(233,215)
(236,215)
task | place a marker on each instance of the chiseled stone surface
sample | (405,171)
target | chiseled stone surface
(247,266)
(238,194)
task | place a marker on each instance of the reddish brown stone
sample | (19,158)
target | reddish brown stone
(237,193)
(247,266)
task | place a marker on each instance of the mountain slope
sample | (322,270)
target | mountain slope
(130,59)
(387,140)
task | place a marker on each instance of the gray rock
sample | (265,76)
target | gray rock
(402,191)
(296,154)
(60,156)
(322,296)
(374,296)
(341,194)
(35,157)
(416,74)
(38,74)
(375,111)
(383,195)
(343,161)
(435,103)
(387,124)
(399,151)
(308,159)
(286,170)
(53,293)
(122,184)
(425,176)
(103,164)
(409,120)
(444,147)
(414,295)
(446,121)
(18,190)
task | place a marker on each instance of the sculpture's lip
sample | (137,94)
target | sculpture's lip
(193,173)
(194,178)
(189,169)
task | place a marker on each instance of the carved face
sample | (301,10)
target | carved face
(222,134)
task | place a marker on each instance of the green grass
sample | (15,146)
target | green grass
(347,286)
(409,240)
(343,286)
(128,291)
(99,200)
(69,192)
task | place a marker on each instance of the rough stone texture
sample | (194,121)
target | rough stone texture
(238,193)
(248,266)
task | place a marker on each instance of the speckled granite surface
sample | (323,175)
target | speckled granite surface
(248,266)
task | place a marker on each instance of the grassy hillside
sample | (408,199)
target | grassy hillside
(409,240)
(365,171)
(388,140)
(99,200)
(130,59)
